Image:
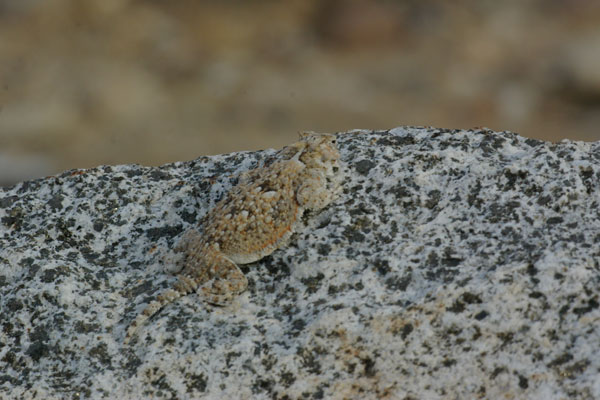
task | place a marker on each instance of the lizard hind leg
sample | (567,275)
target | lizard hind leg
(227,281)
(207,272)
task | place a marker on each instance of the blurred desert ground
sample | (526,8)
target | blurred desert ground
(89,82)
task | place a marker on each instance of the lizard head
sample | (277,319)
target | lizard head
(319,146)
(313,149)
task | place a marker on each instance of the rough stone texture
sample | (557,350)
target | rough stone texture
(456,264)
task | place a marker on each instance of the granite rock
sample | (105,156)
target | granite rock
(456,264)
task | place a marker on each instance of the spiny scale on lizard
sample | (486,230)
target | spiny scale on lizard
(254,219)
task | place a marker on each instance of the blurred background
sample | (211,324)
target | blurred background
(89,82)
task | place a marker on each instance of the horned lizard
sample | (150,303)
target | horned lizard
(255,218)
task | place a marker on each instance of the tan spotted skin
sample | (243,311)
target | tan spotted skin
(254,219)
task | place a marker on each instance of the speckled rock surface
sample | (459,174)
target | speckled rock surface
(456,264)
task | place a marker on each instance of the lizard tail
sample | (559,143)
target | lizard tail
(184,286)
